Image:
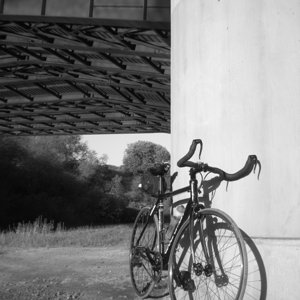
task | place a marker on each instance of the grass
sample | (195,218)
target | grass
(41,233)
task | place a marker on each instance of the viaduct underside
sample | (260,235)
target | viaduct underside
(66,75)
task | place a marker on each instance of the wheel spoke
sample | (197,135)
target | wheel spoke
(143,243)
(228,257)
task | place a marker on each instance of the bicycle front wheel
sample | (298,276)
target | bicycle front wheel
(222,273)
(144,260)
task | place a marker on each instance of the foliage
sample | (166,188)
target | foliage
(138,158)
(43,233)
(141,155)
(68,151)
(117,187)
(101,178)
(60,179)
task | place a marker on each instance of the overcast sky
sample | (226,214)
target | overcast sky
(114,145)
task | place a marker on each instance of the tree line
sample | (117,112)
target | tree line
(60,179)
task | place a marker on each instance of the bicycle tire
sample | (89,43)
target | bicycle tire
(144,243)
(226,276)
(257,286)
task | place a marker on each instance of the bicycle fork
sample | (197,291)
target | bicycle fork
(198,268)
(210,250)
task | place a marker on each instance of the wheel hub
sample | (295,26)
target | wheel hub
(208,270)
(221,280)
(198,268)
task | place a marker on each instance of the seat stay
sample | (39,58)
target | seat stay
(145,253)
(146,224)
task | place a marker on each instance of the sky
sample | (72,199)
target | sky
(114,145)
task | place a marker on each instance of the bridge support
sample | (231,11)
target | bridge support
(235,84)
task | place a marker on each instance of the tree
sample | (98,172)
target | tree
(141,155)
(50,177)
(117,187)
(101,179)
(68,151)
(58,148)
(138,158)
(89,163)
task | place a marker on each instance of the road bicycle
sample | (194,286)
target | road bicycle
(205,256)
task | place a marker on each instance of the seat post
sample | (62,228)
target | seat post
(161,185)
(161,215)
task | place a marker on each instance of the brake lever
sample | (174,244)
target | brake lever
(257,163)
(201,147)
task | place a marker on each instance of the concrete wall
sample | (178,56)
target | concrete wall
(236,85)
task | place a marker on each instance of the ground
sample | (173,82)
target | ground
(65,273)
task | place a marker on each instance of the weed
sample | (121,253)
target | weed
(43,233)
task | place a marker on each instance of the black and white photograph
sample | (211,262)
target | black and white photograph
(149,149)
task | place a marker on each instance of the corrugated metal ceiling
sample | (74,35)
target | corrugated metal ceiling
(83,76)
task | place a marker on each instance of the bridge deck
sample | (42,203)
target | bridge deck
(74,75)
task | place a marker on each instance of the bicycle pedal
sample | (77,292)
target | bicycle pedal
(186,281)
(221,280)
(208,270)
(136,262)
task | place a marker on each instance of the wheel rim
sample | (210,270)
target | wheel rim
(257,279)
(143,274)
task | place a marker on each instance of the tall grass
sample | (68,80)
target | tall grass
(42,233)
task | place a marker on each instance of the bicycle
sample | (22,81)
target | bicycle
(205,256)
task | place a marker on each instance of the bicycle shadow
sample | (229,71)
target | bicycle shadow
(257,278)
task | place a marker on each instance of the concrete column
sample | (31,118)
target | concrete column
(236,85)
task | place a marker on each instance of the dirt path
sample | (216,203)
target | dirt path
(65,273)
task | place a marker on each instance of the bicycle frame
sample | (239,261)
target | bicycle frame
(193,247)
(193,207)
(188,214)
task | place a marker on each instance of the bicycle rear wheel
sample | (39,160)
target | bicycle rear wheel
(144,259)
(224,276)
(256,287)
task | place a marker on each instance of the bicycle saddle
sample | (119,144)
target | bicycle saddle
(159,169)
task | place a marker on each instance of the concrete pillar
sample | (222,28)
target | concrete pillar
(236,85)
